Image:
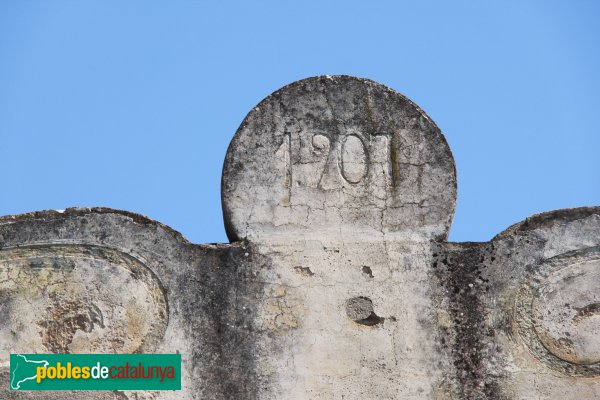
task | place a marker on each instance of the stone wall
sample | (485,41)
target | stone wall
(338,194)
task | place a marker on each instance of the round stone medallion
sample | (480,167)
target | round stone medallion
(78,299)
(557,312)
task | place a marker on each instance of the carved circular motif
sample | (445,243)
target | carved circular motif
(78,299)
(557,312)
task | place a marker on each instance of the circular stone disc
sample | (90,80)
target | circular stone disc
(339,156)
(567,313)
(78,299)
(557,312)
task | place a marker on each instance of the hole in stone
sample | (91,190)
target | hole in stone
(360,310)
(304,271)
(367,271)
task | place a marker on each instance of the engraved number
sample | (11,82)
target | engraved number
(350,154)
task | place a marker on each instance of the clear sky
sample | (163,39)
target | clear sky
(131,104)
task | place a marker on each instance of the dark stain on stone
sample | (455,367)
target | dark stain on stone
(223,309)
(459,270)
(586,312)
(304,271)
(6,305)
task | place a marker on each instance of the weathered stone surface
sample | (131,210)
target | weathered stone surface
(338,156)
(338,194)
(87,280)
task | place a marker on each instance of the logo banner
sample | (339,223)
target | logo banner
(95,371)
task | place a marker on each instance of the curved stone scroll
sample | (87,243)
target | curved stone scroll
(338,155)
(557,312)
(525,309)
(78,299)
(107,281)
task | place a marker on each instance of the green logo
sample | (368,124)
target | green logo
(95,372)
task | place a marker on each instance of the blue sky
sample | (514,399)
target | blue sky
(131,105)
